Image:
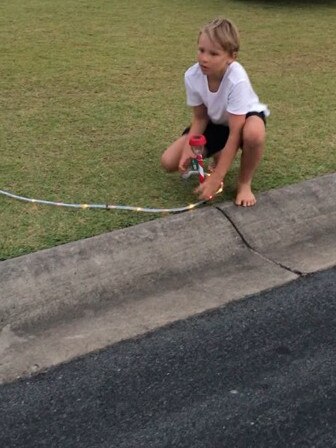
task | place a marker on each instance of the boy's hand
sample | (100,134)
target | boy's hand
(185,160)
(209,187)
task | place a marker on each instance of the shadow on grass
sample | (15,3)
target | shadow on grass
(291,3)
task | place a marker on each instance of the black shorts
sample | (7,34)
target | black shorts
(217,134)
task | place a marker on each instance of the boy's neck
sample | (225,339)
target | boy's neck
(214,81)
(218,77)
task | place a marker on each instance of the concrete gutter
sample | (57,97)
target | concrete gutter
(63,302)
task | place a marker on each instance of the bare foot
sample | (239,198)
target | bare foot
(245,197)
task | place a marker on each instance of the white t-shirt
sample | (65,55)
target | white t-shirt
(235,94)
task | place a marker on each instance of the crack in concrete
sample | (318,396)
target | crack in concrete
(255,251)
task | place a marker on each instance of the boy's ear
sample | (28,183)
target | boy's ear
(234,55)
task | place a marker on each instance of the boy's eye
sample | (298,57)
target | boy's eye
(213,53)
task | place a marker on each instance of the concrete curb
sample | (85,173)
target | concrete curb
(94,292)
(125,265)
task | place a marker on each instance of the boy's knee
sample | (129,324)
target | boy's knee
(253,137)
(166,163)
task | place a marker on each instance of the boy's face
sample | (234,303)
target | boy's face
(212,58)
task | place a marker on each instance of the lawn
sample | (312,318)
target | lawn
(92,93)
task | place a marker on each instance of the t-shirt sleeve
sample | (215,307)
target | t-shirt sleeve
(239,98)
(193,97)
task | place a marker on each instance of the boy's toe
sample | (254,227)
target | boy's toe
(245,197)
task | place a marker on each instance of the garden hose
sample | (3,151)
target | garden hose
(197,142)
(103,206)
(111,206)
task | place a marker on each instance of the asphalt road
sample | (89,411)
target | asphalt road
(260,372)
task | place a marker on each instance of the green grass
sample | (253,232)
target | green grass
(92,93)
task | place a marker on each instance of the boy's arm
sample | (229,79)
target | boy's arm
(199,122)
(213,182)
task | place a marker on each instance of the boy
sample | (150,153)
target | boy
(225,109)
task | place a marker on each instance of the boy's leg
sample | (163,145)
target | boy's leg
(170,159)
(252,150)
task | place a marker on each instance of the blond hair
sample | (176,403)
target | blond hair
(224,33)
